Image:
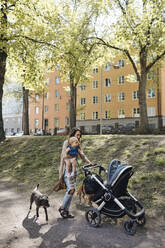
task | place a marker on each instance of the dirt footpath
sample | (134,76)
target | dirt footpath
(19,231)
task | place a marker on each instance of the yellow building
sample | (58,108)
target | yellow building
(51,109)
(109,98)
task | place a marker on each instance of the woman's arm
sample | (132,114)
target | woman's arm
(61,168)
(83,157)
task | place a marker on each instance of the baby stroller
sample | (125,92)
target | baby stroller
(112,198)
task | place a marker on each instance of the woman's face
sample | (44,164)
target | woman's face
(78,135)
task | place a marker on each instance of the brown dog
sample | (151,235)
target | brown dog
(82,194)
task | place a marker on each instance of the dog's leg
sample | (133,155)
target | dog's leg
(31,201)
(46,213)
(37,211)
(89,199)
(79,192)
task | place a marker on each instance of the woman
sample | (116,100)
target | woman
(64,208)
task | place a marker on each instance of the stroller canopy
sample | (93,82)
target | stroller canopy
(115,169)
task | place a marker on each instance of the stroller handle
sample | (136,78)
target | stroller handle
(86,168)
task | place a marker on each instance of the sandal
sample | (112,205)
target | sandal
(63,213)
(69,215)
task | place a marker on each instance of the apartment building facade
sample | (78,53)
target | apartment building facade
(50,110)
(12,108)
(109,98)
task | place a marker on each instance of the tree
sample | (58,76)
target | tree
(137,30)
(75,56)
(22,24)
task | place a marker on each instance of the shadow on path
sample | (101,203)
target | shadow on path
(32,226)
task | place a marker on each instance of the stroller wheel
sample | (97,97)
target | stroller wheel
(93,217)
(141,220)
(130,227)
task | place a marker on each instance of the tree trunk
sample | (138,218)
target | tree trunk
(142,95)
(72,112)
(25,117)
(3,58)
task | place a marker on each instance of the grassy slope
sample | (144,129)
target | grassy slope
(30,160)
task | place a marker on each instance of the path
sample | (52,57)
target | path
(19,231)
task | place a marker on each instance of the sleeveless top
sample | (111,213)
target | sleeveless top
(73,151)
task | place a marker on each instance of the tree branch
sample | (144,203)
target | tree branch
(156,60)
(36,41)
(133,64)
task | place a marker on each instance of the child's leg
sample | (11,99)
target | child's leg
(74,163)
(68,165)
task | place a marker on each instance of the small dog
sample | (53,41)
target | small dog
(41,200)
(82,194)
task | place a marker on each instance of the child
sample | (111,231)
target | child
(70,156)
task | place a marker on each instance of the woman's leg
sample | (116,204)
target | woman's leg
(69,193)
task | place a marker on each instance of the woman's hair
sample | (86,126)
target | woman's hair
(73,132)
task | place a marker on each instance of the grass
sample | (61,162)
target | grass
(31,160)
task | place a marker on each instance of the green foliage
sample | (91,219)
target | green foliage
(159,150)
(160,161)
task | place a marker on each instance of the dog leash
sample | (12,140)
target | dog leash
(49,192)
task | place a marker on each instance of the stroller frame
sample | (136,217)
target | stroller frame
(109,204)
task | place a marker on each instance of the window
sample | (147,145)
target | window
(67,106)
(36,122)
(46,95)
(95,84)
(151,93)
(82,116)
(94,115)
(36,97)
(66,121)
(121,113)
(57,93)
(95,99)
(36,110)
(83,87)
(57,80)
(82,101)
(107,98)
(135,95)
(108,66)
(46,122)
(107,82)
(47,82)
(151,75)
(121,80)
(151,111)
(57,107)
(95,70)
(121,97)
(121,63)
(136,112)
(107,114)
(56,122)
(46,109)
